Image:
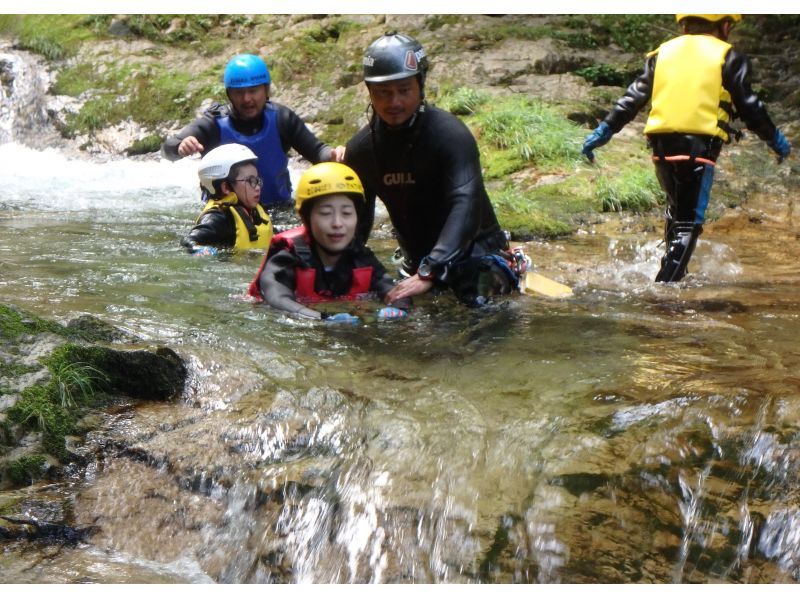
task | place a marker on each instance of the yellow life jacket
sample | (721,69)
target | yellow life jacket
(688,96)
(251,232)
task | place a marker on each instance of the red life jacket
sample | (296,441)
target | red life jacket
(296,241)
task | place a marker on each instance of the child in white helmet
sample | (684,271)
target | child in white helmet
(232,218)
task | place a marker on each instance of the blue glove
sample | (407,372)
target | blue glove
(780,146)
(600,136)
(341,318)
(205,250)
(391,313)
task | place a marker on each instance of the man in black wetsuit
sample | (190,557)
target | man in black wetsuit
(424,165)
(270,130)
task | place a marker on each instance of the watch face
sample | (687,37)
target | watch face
(424,271)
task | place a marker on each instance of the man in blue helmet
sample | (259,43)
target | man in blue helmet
(269,129)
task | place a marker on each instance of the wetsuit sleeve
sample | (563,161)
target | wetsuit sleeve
(636,97)
(736,79)
(296,135)
(277,284)
(206,131)
(213,228)
(464,193)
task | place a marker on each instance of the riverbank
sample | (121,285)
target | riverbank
(529,86)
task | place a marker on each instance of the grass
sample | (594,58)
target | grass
(526,132)
(55,37)
(634,188)
(461,101)
(75,382)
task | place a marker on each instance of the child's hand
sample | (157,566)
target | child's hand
(205,250)
(391,313)
(341,318)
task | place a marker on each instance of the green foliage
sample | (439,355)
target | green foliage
(53,36)
(26,470)
(171,29)
(149,95)
(633,33)
(634,188)
(532,131)
(606,74)
(462,101)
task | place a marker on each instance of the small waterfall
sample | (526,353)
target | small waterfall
(24,81)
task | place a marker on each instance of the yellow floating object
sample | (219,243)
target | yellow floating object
(536,284)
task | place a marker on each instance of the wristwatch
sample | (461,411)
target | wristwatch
(424,271)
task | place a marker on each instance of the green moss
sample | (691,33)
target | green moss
(545,211)
(37,410)
(15,323)
(15,370)
(151,143)
(26,470)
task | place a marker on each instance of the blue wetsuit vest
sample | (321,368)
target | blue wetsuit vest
(272,161)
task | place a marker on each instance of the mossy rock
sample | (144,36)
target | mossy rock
(139,374)
(91,329)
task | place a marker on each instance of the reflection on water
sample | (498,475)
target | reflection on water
(634,433)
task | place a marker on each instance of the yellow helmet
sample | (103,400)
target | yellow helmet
(711,18)
(328,178)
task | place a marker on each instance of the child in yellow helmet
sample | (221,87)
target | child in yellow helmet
(696,83)
(322,260)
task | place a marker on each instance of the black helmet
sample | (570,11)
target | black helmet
(394,56)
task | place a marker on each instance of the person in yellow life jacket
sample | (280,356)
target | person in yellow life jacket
(232,218)
(323,259)
(697,83)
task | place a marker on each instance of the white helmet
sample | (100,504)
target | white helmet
(217,164)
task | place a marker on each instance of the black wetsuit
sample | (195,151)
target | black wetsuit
(428,175)
(687,184)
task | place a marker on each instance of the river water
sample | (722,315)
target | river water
(632,433)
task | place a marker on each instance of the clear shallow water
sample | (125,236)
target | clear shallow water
(636,432)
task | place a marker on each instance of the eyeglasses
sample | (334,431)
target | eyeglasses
(254,181)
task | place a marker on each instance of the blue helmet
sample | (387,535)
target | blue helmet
(246,70)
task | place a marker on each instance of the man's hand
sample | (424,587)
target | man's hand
(410,287)
(190,146)
(337,154)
